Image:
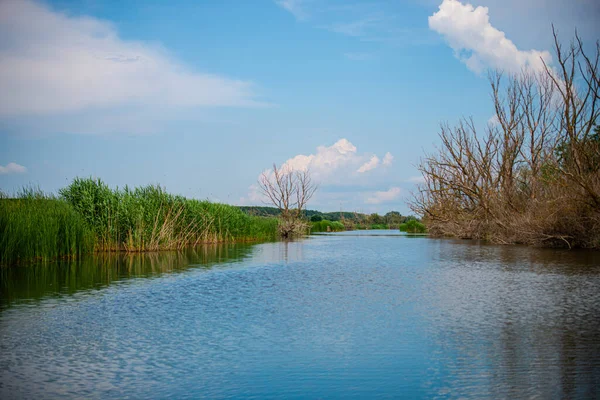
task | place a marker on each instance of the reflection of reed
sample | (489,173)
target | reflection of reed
(102,269)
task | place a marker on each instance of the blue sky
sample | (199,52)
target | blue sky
(202,96)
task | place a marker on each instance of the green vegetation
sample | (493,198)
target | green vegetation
(379,226)
(413,226)
(327,226)
(34,228)
(264,211)
(148,218)
(90,216)
(350,220)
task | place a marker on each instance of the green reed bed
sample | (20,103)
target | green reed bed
(148,218)
(41,229)
(89,216)
(327,226)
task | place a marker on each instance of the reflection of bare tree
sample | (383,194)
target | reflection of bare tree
(560,335)
(523,320)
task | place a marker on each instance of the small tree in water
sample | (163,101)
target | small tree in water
(289,191)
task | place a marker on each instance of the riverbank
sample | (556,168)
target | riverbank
(88,216)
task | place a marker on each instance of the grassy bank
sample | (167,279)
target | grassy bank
(89,216)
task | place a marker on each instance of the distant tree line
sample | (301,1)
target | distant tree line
(350,220)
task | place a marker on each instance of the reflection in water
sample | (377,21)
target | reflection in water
(286,251)
(329,316)
(102,269)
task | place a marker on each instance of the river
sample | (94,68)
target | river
(369,315)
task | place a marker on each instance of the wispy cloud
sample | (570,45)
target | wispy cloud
(366,21)
(355,28)
(477,43)
(388,159)
(416,179)
(359,56)
(296,7)
(52,63)
(384,197)
(12,168)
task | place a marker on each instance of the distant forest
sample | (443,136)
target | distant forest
(392,217)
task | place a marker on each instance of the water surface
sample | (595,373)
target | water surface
(331,316)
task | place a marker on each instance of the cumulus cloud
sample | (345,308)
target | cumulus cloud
(477,43)
(330,163)
(52,63)
(326,160)
(388,159)
(339,167)
(384,197)
(369,165)
(12,168)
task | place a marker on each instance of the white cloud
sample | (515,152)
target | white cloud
(369,165)
(326,160)
(336,163)
(293,6)
(52,63)
(356,28)
(388,159)
(477,43)
(338,168)
(12,168)
(384,197)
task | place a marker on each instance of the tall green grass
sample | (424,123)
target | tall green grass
(148,218)
(88,216)
(41,229)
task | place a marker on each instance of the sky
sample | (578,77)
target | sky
(201,97)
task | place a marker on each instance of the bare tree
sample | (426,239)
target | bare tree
(289,191)
(532,177)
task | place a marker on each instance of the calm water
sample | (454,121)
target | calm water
(332,316)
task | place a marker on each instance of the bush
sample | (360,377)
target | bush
(327,226)
(413,226)
(379,226)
